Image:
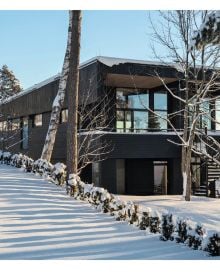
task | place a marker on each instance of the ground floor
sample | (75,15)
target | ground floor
(148,176)
(140,176)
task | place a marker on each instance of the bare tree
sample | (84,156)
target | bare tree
(10,133)
(95,121)
(198,78)
(59,99)
(73,87)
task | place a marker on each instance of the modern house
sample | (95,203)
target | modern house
(142,160)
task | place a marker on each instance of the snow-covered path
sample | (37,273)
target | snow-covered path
(39,221)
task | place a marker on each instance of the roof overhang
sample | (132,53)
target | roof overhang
(148,82)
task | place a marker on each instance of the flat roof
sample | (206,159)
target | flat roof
(108,61)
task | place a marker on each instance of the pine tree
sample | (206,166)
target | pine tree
(153,122)
(9,84)
(209,32)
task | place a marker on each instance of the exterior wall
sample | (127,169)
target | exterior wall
(148,145)
(128,148)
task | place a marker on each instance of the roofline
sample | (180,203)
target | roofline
(107,60)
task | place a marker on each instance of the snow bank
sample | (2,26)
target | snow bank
(168,226)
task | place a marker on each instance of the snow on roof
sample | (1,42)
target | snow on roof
(111,61)
(108,61)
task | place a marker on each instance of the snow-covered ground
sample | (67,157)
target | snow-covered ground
(39,221)
(199,210)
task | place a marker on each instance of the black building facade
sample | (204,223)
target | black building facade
(142,160)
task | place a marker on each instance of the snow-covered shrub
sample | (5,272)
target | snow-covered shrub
(59,173)
(117,208)
(73,185)
(155,221)
(132,213)
(43,167)
(182,229)
(167,227)
(106,198)
(144,220)
(195,237)
(154,224)
(213,246)
(6,157)
(20,160)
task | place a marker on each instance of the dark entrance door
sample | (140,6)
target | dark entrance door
(139,177)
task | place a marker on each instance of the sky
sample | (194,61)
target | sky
(33,43)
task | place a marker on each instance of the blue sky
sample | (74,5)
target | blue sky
(33,42)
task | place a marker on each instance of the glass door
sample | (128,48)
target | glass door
(160,177)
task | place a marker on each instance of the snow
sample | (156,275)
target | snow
(39,221)
(202,210)
(112,61)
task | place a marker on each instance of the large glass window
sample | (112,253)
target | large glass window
(160,108)
(140,121)
(138,101)
(133,114)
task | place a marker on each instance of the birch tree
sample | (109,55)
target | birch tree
(59,99)
(198,78)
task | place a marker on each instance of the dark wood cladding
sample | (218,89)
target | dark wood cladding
(40,100)
(134,145)
(34,102)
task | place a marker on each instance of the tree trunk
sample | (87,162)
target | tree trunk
(187,179)
(58,101)
(72,93)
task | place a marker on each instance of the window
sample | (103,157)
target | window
(132,114)
(24,133)
(160,108)
(140,122)
(38,120)
(132,110)
(64,116)
(15,124)
(160,177)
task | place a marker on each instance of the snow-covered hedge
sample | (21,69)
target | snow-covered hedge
(166,225)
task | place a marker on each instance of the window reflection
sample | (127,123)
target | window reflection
(133,110)
(160,101)
(140,121)
(138,101)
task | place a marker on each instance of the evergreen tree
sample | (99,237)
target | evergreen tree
(153,122)
(209,32)
(9,84)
